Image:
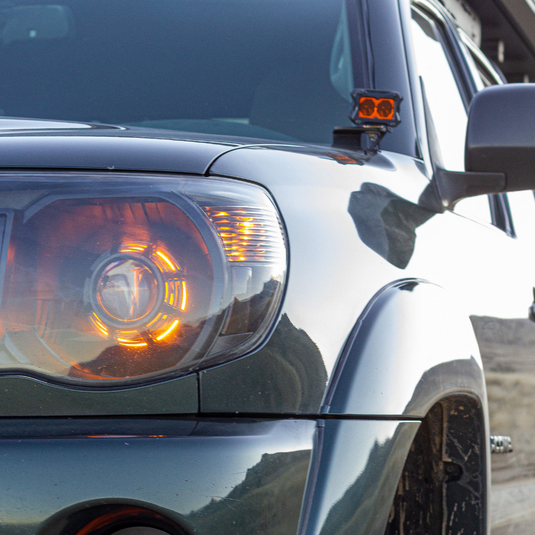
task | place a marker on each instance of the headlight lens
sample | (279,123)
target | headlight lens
(127,280)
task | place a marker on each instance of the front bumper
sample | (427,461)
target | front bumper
(205,476)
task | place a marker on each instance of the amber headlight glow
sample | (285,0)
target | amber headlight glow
(114,282)
(139,290)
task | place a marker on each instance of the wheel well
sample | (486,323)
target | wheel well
(106,519)
(443,486)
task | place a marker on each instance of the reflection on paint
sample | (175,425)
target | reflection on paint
(386,223)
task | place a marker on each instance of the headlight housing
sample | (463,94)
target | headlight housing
(125,279)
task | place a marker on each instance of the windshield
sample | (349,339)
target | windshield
(271,69)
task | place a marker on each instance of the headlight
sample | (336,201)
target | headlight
(132,278)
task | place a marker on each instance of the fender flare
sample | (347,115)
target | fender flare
(411,347)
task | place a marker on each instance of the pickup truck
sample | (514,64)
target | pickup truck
(266,267)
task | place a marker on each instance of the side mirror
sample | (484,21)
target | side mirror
(499,151)
(501,134)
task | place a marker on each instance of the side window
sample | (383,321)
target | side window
(445,103)
(443,97)
(486,79)
(483,71)
(523,212)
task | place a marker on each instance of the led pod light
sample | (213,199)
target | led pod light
(130,284)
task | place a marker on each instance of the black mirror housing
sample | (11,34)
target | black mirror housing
(501,134)
(499,151)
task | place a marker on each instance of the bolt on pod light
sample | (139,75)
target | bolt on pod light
(373,107)
(122,284)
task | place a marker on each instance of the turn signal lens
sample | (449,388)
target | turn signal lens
(247,234)
(134,284)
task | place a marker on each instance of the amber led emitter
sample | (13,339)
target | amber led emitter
(373,107)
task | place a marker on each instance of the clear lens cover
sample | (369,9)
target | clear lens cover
(124,280)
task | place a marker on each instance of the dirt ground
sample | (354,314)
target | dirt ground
(508,351)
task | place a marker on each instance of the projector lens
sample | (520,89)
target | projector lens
(127,290)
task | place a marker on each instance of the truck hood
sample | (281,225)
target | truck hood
(45,144)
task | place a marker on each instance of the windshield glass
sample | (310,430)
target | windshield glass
(272,69)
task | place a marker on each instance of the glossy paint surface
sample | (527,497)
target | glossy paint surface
(403,354)
(357,474)
(50,144)
(327,288)
(224,477)
(25,396)
(356,254)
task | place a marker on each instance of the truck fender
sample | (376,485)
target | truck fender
(411,347)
